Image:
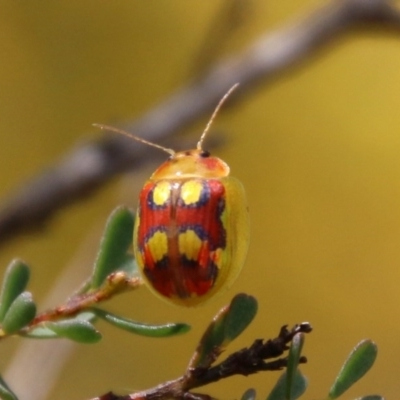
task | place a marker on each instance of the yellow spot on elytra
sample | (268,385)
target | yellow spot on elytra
(191,191)
(158,246)
(189,244)
(161,193)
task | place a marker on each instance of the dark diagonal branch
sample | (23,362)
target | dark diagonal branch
(246,362)
(91,165)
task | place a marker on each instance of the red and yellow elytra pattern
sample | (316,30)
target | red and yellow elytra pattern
(192,227)
(181,249)
(191,231)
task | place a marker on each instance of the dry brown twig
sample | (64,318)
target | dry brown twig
(247,361)
(93,164)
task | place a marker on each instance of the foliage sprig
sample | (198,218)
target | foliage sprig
(115,272)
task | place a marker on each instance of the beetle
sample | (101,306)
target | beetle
(191,230)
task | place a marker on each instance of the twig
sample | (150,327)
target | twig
(116,283)
(243,362)
(91,165)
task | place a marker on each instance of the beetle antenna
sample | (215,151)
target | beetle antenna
(134,137)
(214,114)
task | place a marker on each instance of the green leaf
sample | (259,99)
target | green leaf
(242,310)
(371,397)
(5,392)
(114,245)
(293,361)
(75,329)
(356,366)
(299,386)
(249,394)
(41,332)
(229,323)
(15,280)
(141,328)
(20,313)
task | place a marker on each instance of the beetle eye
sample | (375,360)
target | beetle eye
(205,154)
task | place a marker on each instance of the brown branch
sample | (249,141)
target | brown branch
(91,165)
(247,361)
(116,283)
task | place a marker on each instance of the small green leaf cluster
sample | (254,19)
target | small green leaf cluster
(292,383)
(17,308)
(114,272)
(232,320)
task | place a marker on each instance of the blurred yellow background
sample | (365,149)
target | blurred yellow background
(317,150)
